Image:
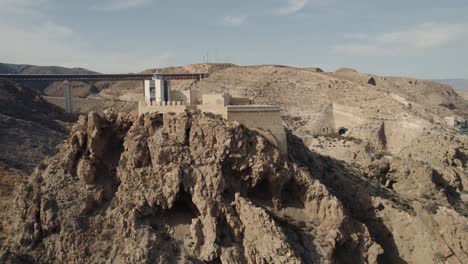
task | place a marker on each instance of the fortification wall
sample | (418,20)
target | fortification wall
(184,96)
(215,109)
(215,103)
(216,99)
(335,116)
(347,117)
(264,119)
(240,101)
(172,107)
(400,133)
(323,122)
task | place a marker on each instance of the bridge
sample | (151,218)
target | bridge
(99,77)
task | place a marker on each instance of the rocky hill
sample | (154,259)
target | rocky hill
(374,174)
(30,127)
(30,131)
(196,189)
(33,69)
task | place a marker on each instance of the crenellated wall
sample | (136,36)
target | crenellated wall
(184,96)
(265,119)
(160,107)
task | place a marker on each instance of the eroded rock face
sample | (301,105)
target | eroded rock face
(189,188)
(411,208)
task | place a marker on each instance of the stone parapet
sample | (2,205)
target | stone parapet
(253,108)
(160,107)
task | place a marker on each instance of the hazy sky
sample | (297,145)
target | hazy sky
(420,38)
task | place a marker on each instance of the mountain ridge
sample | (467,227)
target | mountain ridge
(458,83)
(10,68)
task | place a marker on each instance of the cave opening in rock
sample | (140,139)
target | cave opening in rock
(224,233)
(183,210)
(261,193)
(187,135)
(178,218)
(342,131)
(291,195)
(372,81)
(107,163)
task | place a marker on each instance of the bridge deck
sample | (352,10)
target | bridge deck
(102,77)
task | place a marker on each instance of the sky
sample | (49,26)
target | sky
(418,38)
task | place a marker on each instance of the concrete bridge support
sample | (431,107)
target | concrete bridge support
(67,95)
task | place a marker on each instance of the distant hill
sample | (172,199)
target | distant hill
(6,68)
(32,69)
(458,84)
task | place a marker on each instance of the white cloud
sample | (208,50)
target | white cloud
(48,43)
(28,36)
(235,21)
(20,7)
(418,37)
(113,5)
(292,7)
(424,36)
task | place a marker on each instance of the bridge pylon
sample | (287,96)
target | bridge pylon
(67,95)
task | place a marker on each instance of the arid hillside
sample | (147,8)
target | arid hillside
(196,189)
(33,69)
(374,174)
(31,128)
(30,131)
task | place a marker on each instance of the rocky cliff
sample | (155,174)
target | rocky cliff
(195,188)
(187,188)
(373,175)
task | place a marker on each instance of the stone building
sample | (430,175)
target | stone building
(265,119)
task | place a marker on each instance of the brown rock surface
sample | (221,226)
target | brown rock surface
(376,176)
(177,188)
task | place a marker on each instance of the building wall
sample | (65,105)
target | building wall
(265,119)
(216,99)
(348,117)
(215,109)
(335,116)
(148,85)
(215,103)
(400,133)
(159,90)
(158,95)
(173,107)
(240,101)
(184,96)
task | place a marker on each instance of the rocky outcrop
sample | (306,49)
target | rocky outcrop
(187,188)
(408,206)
